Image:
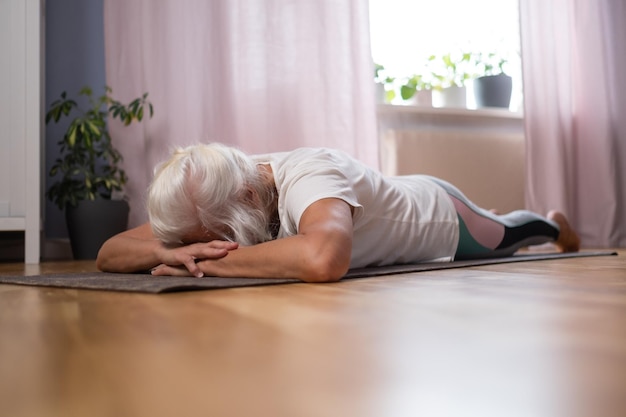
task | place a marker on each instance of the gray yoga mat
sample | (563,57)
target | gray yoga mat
(146,283)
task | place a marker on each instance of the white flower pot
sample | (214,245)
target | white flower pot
(450,97)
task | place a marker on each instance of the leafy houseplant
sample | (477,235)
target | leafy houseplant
(450,73)
(490,63)
(89,161)
(88,165)
(451,70)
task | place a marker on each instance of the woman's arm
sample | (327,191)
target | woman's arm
(139,250)
(320,252)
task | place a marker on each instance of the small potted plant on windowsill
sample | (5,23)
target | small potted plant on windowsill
(450,74)
(381,80)
(89,181)
(494,87)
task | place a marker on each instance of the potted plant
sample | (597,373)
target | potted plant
(383,94)
(450,73)
(494,87)
(89,181)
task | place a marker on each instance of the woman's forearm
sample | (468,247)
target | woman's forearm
(139,250)
(128,254)
(282,258)
(291,257)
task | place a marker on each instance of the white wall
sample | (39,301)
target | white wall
(20,121)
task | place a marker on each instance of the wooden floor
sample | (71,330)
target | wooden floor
(533,339)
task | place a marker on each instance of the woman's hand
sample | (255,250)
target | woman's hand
(182,260)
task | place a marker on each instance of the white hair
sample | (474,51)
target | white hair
(210,188)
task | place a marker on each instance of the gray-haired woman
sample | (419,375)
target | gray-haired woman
(310,214)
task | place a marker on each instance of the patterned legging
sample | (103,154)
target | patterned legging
(483,234)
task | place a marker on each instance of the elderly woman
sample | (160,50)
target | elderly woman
(310,214)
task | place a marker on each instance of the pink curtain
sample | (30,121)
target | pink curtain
(262,75)
(574,58)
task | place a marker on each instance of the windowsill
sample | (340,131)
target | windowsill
(391,116)
(386,109)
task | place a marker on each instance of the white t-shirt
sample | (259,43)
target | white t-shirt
(397,220)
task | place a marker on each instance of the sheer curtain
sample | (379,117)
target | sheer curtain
(575,108)
(262,75)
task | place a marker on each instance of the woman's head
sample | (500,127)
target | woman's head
(211,190)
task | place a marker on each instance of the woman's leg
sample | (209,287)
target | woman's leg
(483,234)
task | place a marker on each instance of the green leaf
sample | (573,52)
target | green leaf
(71,138)
(407,92)
(94,129)
(66,107)
(50,115)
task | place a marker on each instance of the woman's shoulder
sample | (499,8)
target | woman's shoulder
(322,154)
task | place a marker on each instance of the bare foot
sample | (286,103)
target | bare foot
(568,240)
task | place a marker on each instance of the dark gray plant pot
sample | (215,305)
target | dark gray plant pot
(493,91)
(91,223)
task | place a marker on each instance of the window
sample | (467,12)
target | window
(404,33)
